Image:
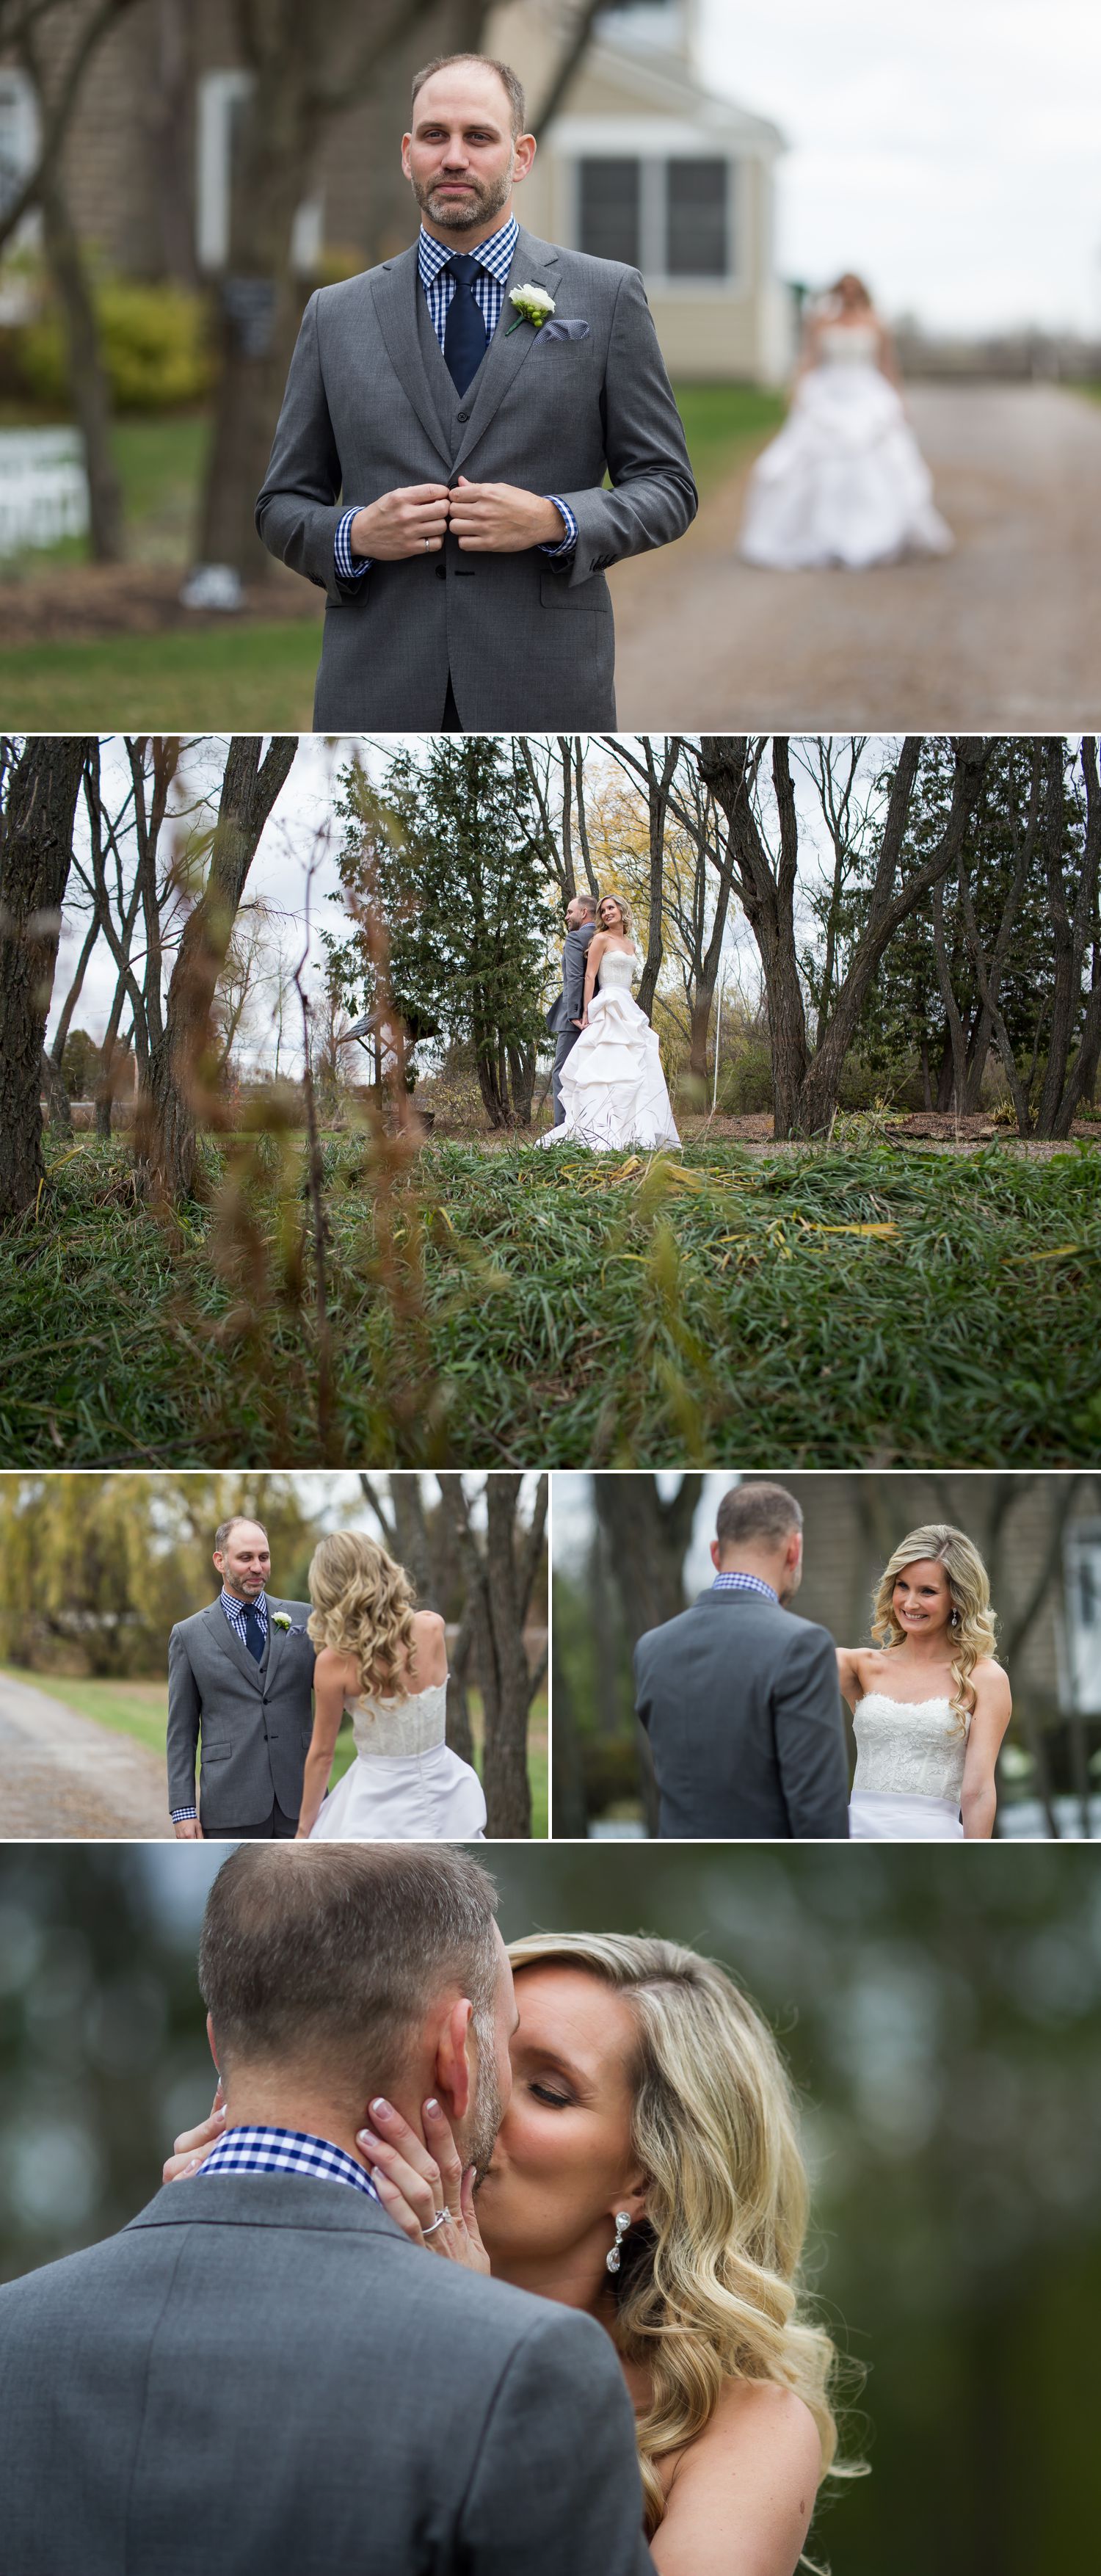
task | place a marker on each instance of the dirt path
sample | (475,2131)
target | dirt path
(1002,636)
(62,1777)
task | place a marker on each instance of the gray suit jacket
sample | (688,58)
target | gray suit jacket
(741,1703)
(250,1723)
(261,2373)
(370,406)
(568,1005)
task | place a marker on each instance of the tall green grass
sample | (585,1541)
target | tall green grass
(559,1309)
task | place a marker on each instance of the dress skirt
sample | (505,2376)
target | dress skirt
(613,1087)
(405,1798)
(887,1818)
(844,483)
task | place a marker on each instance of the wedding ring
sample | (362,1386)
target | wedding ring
(438,2221)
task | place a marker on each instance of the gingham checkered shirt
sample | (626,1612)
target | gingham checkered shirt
(735,1582)
(494,259)
(235,1613)
(293,2151)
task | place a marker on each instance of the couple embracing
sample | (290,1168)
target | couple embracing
(258,1687)
(741,1699)
(485,2260)
(607,1085)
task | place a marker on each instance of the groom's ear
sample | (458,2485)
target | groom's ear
(213,2044)
(453,2069)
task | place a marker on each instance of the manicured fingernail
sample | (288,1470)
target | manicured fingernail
(220,2112)
(432,2108)
(366,2138)
(380,2110)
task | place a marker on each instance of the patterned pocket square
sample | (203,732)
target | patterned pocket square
(564,330)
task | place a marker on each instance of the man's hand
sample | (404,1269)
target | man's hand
(188,1830)
(411,521)
(499,519)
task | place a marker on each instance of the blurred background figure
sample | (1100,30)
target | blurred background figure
(845,482)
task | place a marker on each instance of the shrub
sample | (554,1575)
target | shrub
(155,341)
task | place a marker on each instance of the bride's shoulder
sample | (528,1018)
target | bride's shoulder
(766,2438)
(991,1677)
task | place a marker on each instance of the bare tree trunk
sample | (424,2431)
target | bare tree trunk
(35,854)
(659,782)
(58,1111)
(951,1012)
(88,384)
(647,1541)
(183,1060)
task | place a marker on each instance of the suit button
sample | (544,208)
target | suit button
(441,572)
(462,415)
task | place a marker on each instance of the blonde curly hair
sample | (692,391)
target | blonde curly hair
(624,910)
(363,1607)
(708,2289)
(972,1625)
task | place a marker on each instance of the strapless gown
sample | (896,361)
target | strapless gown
(845,482)
(613,1087)
(909,1770)
(405,1784)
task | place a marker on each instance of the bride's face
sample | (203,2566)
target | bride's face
(921,1598)
(562,2164)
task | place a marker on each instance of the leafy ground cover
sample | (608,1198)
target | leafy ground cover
(876,1304)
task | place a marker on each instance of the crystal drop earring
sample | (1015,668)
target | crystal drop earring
(622,2223)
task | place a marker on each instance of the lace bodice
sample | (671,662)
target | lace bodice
(618,966)
(399,1726)
(909,1748)
(848,344)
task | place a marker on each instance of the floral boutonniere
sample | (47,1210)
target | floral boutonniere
(282,1619)
(533,305)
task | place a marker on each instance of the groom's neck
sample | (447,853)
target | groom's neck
(273,2098)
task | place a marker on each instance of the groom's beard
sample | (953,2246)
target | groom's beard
(461,214)
(486,2111)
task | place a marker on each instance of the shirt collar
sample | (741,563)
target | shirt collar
(235,1609)
(263,2150)
(734,1581)
(494,254)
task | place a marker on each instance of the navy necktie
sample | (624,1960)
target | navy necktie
(464,332)
(254,1631)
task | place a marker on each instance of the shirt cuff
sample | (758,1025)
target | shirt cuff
(567,543)
(350,567)
(185,1815)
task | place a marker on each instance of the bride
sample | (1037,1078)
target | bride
(845,481)
(647,2169)
(613,1087)
(386,1663)
(930,1702)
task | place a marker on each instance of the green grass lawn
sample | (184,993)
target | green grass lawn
(250,673)
(874,1304)
(140,1709)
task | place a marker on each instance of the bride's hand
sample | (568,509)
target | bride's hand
(193,2146)
(417,2178)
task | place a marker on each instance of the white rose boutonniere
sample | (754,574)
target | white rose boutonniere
(280,1619)
(533,305)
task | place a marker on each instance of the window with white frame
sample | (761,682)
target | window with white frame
(222,101)
(673,218)
(18,132)
(1082,1574)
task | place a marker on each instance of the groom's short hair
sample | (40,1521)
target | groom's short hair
(588,902)
(225,1530)
(752,1515)
(330,1957)
(512,86)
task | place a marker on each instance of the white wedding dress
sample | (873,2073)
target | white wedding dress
(845,482)
(613,1087)
(405,1785)
(909,1770)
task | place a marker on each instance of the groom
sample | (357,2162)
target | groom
(563,1020)
(740,1699)
(261,2372)
(240,1694)
(440,459)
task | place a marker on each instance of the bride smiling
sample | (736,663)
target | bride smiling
(646,2170)
(930,1701)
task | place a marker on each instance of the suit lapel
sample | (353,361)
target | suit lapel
(230,1643)
(534,263)
(276,1636)
(395,291)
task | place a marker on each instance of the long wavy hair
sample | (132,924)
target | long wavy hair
(709,2287)
(624,912)
(363,1607)
(972,1628)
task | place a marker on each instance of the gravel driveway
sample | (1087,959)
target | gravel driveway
(1003,636)
(63,1777)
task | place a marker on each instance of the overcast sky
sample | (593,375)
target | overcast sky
(948,148)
